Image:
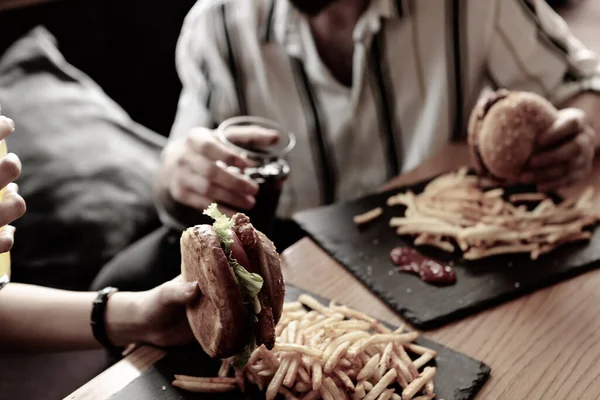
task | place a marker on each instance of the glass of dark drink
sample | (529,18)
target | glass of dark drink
(271,169)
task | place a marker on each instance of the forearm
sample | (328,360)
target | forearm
(590,103)
(10,4)
(40,319)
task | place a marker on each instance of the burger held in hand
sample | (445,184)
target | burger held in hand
(503,130)
(239,275)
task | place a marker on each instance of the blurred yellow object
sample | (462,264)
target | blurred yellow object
(4,257)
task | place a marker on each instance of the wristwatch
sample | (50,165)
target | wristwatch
(98,319)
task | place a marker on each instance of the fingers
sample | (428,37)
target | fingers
(7,238)
(562,154)
(190,198)
(196,191)
(212,191)
(201,175)
(178,293)
(204,143)
(562,175)
(558,176)
(186,195)
(564,182)
(545,175)
(200,181)
(570,122)
(214,173)
(253,136)
(10,169)
(566,155)
(7,126)
(225,196)
(12,205)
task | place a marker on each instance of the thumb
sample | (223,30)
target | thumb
(569,122)
(179,293)
(252,136)
(7,126)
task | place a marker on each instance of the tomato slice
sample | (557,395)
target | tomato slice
(238,253)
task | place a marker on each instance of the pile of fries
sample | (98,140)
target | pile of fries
(454,211)
(330,353)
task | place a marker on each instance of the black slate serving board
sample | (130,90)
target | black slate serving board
(459,377)
(364,251)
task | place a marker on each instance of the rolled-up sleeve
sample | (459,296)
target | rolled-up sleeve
(532,49)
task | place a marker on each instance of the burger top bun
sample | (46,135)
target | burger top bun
(503,129)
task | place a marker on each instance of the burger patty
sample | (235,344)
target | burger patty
(265,326)
(246,234)
(249,238)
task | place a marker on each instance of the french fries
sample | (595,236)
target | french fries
(351,356)
(454,210)
(204,385)
(368,216)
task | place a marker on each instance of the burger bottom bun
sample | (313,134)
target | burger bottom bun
(218,318)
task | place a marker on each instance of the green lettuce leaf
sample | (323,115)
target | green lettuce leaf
(250,284)
(241,359)
(222,225)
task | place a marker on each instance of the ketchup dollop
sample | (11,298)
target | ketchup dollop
(410,260)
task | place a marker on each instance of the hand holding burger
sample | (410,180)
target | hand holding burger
(564,152)
(520,137)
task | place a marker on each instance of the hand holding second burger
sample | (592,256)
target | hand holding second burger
(193,176)
(564,153)
(520,137)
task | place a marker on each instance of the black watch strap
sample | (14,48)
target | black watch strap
(98,319)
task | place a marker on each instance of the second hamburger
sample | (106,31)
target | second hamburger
(503,129)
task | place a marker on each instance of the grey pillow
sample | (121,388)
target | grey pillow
(87,167)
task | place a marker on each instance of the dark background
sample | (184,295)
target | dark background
(126,46)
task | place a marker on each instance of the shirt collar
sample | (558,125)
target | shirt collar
(289,34)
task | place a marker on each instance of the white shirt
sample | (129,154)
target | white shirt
(419,67)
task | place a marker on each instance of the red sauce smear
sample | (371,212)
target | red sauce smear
(430,271)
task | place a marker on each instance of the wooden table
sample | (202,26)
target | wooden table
(542,346)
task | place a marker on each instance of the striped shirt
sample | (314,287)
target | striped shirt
(418,69)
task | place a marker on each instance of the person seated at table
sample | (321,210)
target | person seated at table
(371,88)
(34,318)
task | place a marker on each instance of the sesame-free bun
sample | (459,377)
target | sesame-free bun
(218,318)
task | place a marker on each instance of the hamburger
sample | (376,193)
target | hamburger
(239,274)
(503,129)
